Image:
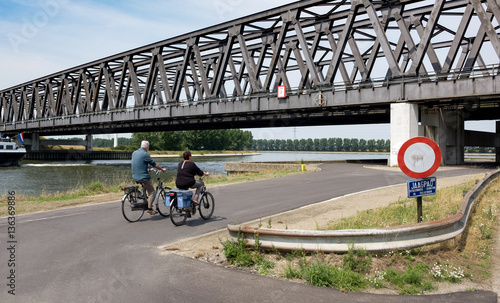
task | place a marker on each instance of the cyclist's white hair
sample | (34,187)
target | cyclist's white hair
(145,144)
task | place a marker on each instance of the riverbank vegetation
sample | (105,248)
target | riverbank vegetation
(221,139)
(98,192)
(465,259)
(324,144)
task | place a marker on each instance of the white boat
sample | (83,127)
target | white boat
(10,153)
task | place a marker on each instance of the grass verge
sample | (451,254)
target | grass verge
(97,192)
(467,258)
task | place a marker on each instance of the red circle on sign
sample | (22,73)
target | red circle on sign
(407,145)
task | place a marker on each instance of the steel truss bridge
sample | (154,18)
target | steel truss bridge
(341,62)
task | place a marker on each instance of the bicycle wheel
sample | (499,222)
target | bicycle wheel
(207,206)
(163,209)
(129,213)
(177,216)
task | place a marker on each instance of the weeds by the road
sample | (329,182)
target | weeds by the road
(441,205)
(414,271)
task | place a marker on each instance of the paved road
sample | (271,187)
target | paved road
(91,254)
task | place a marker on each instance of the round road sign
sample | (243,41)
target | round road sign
(419,157)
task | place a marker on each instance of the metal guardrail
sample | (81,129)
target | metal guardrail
(375,239)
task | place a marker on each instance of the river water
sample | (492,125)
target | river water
(35,177)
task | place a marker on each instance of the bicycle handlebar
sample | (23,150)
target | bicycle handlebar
(156,171)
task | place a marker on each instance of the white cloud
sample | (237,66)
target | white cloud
(46,36)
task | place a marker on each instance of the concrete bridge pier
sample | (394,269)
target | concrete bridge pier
(88,142)
(32,141)
(404,126)
(444,126)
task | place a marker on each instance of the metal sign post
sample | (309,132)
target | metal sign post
(419,158)
(417,188)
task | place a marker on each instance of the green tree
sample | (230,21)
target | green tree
(152,137)
(173,140)
(370,145)
(380,145)
(302,144)
(222,139)
(323,144)
(339,144)
(283,145)
(387,145)
(309,145)
(100,142)
(271,144)
(346,145)
(362,145)
(354,145)
(331,144)
(263,144)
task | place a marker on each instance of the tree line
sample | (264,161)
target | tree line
(212,139)
(101,142)
(235,139)
(324,144)
(479,149)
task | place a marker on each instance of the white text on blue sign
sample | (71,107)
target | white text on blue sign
(421,187)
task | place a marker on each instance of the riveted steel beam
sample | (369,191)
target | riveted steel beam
(426,36)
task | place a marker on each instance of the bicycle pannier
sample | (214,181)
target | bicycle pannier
(183,197)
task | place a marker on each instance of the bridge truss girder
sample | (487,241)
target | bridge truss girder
(312,44)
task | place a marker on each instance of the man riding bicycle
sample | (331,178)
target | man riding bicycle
(140,161)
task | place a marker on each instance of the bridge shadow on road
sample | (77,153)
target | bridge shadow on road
(194,221)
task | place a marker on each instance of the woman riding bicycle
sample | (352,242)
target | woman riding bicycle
(186,171)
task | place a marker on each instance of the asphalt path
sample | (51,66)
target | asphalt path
(91,254)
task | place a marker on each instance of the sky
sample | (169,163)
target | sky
(41,37)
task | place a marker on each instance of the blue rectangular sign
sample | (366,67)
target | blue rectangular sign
(421,187)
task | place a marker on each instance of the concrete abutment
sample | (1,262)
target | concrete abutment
(445,126)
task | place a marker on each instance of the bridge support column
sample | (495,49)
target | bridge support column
(32,141)
(446,128)
(404,126)
(88,143)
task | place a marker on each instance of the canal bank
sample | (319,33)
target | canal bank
(77,155)
(82,155)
